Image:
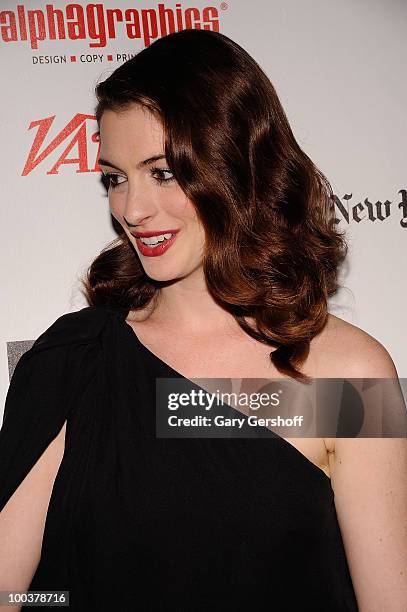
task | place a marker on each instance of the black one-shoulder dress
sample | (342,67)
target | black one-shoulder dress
(137,522)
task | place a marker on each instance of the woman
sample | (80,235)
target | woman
(195,148)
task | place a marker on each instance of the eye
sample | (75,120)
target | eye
(161,172)
(110,179)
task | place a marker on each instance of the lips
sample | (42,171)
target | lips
(154,251)
(153,233)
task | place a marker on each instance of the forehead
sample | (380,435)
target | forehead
(130,130)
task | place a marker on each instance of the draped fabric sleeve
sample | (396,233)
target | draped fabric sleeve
(45,387)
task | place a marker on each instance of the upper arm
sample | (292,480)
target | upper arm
(369,479)
(22,520)
(370,485)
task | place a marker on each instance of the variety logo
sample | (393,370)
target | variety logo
(98,24)
(75,135)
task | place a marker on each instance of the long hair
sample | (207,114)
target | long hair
(272,249)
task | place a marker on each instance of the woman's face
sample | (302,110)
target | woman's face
(144,197)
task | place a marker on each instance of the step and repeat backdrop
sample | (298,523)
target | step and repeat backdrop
(339,70)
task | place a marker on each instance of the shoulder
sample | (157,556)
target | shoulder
(343,350)
(350,352)
(64,355)
(79,327)
(62,344)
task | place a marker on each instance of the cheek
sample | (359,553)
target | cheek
(179,206)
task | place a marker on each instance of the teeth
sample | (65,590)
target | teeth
(154,240)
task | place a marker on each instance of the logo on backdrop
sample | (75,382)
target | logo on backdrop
(75,140)
(72,137)
(98,25)
(370,211)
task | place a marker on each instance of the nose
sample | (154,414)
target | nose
(140,222)
(138,208)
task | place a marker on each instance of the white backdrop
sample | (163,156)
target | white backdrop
(339,70)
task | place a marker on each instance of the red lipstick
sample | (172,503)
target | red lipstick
(152,250)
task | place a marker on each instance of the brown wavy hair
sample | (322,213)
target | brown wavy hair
(272,247)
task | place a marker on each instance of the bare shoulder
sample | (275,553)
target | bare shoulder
(343,350)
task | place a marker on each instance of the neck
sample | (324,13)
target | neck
(186,304)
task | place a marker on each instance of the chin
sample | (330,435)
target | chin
(162,275)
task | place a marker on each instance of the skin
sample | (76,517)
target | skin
(148,204)
(368,475)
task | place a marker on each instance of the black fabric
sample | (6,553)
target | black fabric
(139,522)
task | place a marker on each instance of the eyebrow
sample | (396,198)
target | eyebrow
(141,164)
